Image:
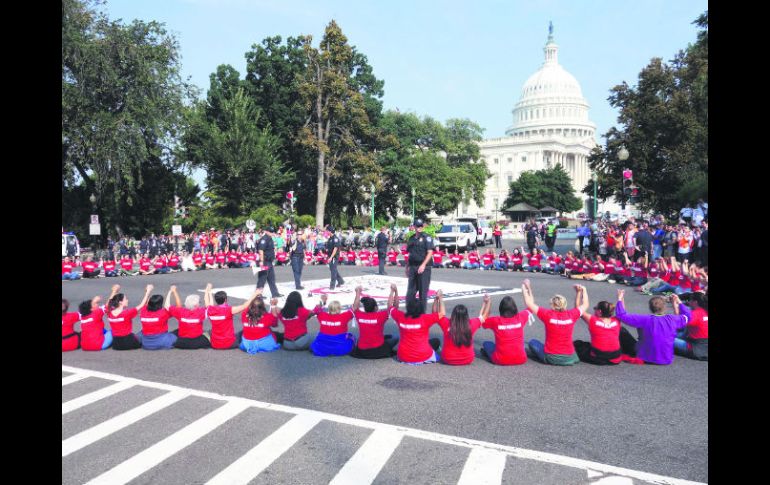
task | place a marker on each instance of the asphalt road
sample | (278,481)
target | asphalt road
(647,418)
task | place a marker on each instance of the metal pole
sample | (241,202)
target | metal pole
(372,207)
(413,205)
(596,181)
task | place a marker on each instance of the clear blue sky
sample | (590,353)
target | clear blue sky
(443,58)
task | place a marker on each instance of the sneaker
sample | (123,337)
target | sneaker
(612,282)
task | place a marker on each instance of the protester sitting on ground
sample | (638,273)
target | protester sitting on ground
(154,318)
(173,262)
(372,343)
(456,260)
(144,266)
(220,314)
(533,261)
(474,260)
(458,332)
(502,261)
(559,324)
(93,335)
(211,261)
(190,319)
(392,257)
(90,268)
(70,339)
(415,346)
(656,331)
(693,340)
(488,260)
(333,337)
(294,317)
(638,269)
(604,347)
(585,269)
(198,260)
(109,265)
(67,270)
(257,321)
(676,277)
(438,258)
(555,264)
(517,260)
(121,320)
(508,328)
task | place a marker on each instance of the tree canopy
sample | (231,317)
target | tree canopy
(664,126)
(550,187)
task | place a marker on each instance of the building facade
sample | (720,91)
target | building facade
(550,126)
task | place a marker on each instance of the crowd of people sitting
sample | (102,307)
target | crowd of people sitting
(660,336)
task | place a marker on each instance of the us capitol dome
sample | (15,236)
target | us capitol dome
(550,126)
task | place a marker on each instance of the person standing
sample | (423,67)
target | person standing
(550,235)
(532,237)
(382,248)
(420,250)
(297,259)
(498,233)
(266,256)
(333,247)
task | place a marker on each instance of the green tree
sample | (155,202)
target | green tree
(123,101)
(243,171)
(542,188)
(664,126)
(338,125)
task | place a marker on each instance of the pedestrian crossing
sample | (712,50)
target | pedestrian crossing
(231,440)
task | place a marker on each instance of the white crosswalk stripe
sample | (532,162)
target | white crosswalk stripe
(485,463)
(73,378)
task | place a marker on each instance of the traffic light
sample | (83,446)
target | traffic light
(628,182)
(177,206)
(634,195)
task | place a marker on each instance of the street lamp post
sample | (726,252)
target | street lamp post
(595,178)
(372,207)
(622,156)
(92,199)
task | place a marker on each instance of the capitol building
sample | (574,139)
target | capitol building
(550,126)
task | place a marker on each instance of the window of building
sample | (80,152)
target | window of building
(524,158)
(509,176)
(510,160)
(496,161)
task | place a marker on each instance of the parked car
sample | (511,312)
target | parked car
(484,232)
(69,245)
(456,235)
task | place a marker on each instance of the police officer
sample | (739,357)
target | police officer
(420,259)
(382,247)
(266,249)
(297,259)
(333,251)
(550,235)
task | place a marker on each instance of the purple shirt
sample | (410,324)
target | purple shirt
(656,333)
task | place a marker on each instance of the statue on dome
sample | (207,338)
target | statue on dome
(550,28)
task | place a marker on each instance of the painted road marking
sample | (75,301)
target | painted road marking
(140,463)
(72,378)
(483,467)
(92,397)
(254,462)
(364,466)
(102,430)
(515,452)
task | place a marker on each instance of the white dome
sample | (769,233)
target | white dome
(551,102)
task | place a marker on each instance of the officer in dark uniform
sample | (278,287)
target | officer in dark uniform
(333,252)
(266,249)
(420,248)
(298,260)
(382,247)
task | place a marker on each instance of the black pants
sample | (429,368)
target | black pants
(336,278)
(296,267)
(418,283)
(383,351)
(550,241)
(580,245)
(126,342)
(268,276)
(381,255)
(199,342)
(91,274)
(498,243)
(593,356)
(627,342)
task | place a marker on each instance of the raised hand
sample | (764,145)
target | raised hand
(173,288)
(149,288)
(359,289)
(486,298)
(393,287)
(115,288)
(209,286)
(621,294)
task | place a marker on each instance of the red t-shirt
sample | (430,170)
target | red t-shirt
(122,324)
(533,260)
(666,276)
(334,324)
(456,258)
(392,256)
(558,330)
(154,323)
(232,257)
(126,264)
(488,259)
(220,258)
(437,257)
(296,326)
(320,258)
(351,256)
(109,265)
(605,336)
(504,258)
(517,259)
(92,330)
(260,329)
(190,321)
(363,255)
(308,257)
(371,327)
(173,261)
(282,256)
(653,271)
(509,338)
(698,326)
(473,258)
(144,264)
(159,263)
(210,259)
(68,321)
(89,266)
(343,258)
(452,354)
(222,330)
(675,278)
(609,268)
(684,282)
(197,259)
(414,332)
(66,267)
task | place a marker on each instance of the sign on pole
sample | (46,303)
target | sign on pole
(251,224)
(95,229)
(94,219)
(176,230)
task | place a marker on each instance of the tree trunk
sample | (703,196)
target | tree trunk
(323,189)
